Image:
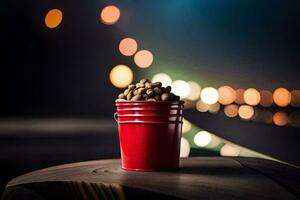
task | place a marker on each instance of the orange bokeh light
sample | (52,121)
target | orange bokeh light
(110,15)
(266,98)
(280,118)
(143,58)
(252,97)
(246,112)
(227,95)
(53,18)
(282,97)
(295,98)
(231,110)
(239,96)
(128,46)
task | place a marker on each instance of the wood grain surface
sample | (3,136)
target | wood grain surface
(198,178)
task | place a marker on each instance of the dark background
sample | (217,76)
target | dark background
(64,71)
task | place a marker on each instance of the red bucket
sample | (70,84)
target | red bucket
(149,134)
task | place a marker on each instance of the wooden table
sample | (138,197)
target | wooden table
(199,178)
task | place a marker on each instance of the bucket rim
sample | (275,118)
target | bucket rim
(143,102)
(149,122)
(149,115)
(149,109)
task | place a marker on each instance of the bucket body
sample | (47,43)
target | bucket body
(149,134)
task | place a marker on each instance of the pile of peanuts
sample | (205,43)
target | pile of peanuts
(145,90)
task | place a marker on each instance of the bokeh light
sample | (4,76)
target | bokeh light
(53,18)
(282,97)
(184,148)
(180,88)
(295,98)
(209,95)
(110,15)
(214,142)
(121,76)
(246,112)
(266,98)
(202,138)
(186,126)
(231,110)
(214,108)
(128,46)
(265,116)
(294,119)
(143,58)
(230,150)
(251,97)
(165,79)
(195,90)
(201,106)
(227,95)
(280,118)
(239,96)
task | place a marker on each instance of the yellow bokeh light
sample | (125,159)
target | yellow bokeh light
(186,126)
(231,110)
(53,18)
(121,76)
(295,98)
(266,98)
(165,79)
(282,97)
(110,15)
(195,90)
(181,88)
(246,112)
(209,95)
(280,118)
(201,106)
(251,97)
(230,150)
(239,96)
(128,46)
(202,138)
(143,58)
(184,148)
(227,95)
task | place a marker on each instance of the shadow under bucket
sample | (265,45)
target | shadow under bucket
(149,134)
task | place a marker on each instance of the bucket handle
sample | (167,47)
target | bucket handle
(116,117)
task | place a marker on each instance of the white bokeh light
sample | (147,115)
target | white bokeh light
(202,138)
(215,141)
(230,150)
(181,88)
(195,90)
(209,95)
(165,79)
(184,148)
(186,126)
